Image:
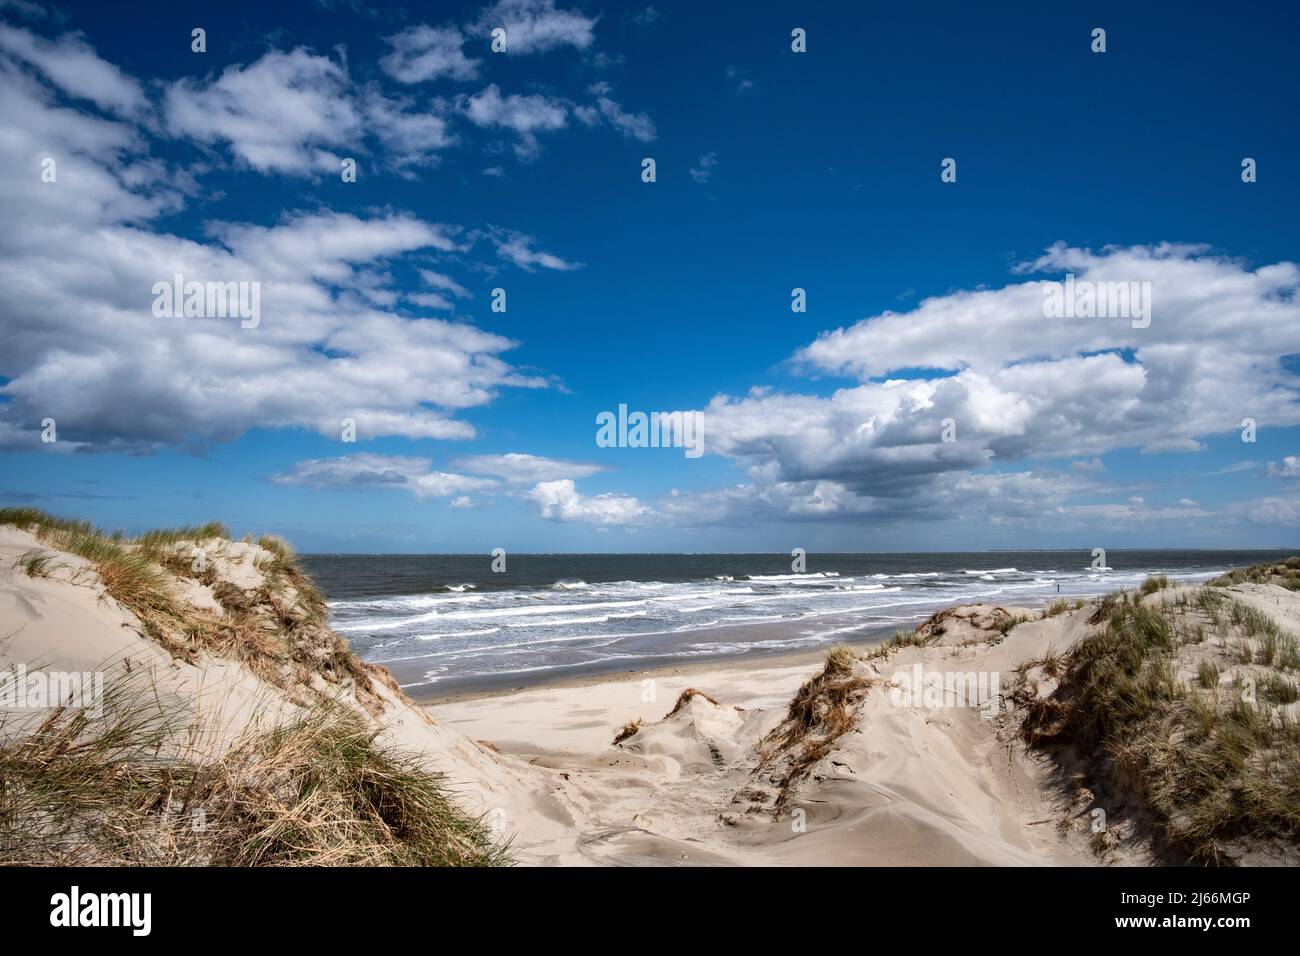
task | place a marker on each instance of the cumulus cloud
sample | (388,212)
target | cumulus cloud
(1271,512)
(422,53)
(1289,467)
(408,136)
(83,346)
(412,474)
(283,113)
(560,500)
(526,116)
(536,26)
(1021,384)
(1014,385)
(518,468)
(298,113)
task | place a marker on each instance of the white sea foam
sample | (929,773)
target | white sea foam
(572,623)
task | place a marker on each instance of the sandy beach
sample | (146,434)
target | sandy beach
(959,742)
(908,787)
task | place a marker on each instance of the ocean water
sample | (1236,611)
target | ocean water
(446,622)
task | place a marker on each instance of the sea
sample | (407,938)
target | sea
(447,624)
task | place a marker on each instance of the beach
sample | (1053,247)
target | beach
(910,788)
(965,739)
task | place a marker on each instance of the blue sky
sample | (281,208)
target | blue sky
(775,170)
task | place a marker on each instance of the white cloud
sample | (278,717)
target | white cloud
(284,113)
(1235,468)
(647,17)
(561,501)
(633,126)
(1289,468)
(517,248)
(409,137)
(319,356)
(1274,512)
(1016,385)
(524,115)
(383,471)
(517,468)
(446,283)
(535,26)
(702,171)
(431,300)
(76,69)
(1026,384)
(82,344)
(423,53)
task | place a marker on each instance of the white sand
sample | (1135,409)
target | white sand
(904,785)
(907,786)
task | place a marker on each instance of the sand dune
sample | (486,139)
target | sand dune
(909,754)
(903,787)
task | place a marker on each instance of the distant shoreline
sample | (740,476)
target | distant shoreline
(446,634)
(484,687)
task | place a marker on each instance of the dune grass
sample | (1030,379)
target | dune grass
(1282,573)
(277,629)
(81,790)
(684,698)
(1217,771)
(129,569)
(322,790)
(821,711)
(1157,582)
(629,729)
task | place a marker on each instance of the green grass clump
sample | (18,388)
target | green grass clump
(320,791)
(1282,573)
(1157,582)
(1214,776)
(1207,674)
(1059,606)
(128,571)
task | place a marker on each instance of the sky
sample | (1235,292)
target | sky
(927,176)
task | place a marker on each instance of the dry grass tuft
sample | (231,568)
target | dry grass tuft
(628,730)
(821,712)
(1282,573)
(277,630)
(108,791)
(684,698)
(1216,769)
(1059,606)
